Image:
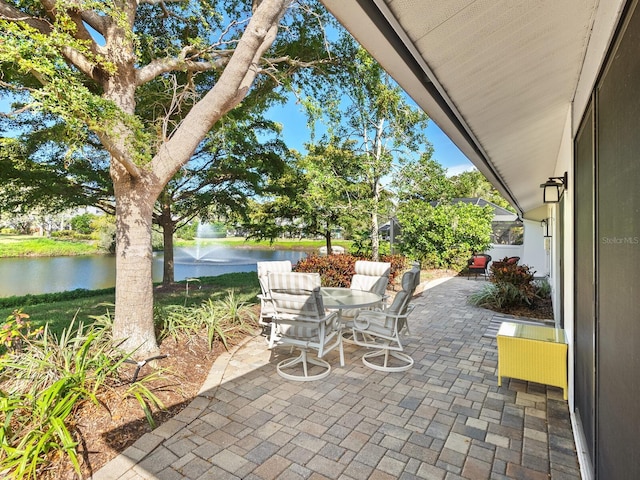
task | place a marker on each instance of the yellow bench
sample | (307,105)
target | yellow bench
(533,353)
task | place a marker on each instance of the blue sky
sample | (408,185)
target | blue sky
(296,133)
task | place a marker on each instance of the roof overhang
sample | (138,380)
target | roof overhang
(497,76)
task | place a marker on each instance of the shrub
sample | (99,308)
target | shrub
(17,330)
(520,276)
(337,270)
(498,296)
(542,288)
(511,285)
(49,378)
(83,223)
(334,270)
(444,236)
(42,385)
(104,227)
(220,319)
(361,245)
(188,231)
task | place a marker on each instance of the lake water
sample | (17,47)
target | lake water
(34,275)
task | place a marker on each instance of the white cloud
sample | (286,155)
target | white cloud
(458,169)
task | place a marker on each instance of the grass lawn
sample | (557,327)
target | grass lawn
(30,245)
(278,244)
(59,309)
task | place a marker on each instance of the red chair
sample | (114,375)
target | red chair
(479,264)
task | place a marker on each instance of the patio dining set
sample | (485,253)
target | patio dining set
(297,311)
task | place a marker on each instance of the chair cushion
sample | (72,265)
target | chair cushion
(265,268)
(399,303)
(369,284)
(479,262)
(375,269)
(300,330)
(408,281)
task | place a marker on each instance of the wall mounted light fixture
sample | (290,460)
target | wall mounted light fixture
(545,228)
(554,188)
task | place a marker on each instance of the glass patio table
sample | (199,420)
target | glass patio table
(339,298)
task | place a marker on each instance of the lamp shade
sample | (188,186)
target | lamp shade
(553,189)
(552,192)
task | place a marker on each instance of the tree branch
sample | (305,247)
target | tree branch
(119,156)
(97,22)
(9,12)
(181,63)
(233,85)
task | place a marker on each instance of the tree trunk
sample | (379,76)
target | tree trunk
(375,244)
(168,229)
(168,268)
(136,187)
(327,237)
(134,288)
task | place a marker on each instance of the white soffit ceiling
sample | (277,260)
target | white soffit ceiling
(508,69)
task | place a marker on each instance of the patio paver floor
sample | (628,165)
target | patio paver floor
(445,418)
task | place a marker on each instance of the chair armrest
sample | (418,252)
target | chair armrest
(379,319)
(293,318)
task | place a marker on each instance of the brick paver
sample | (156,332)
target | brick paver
(446,418)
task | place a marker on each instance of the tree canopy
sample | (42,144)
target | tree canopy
(107,70)
(369,114)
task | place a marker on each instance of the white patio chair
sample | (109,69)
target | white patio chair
(266,308)
(410,281)
(370,277)
(379,331)
(415,268)
(301,321)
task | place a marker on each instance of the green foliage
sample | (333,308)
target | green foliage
(503,271)
(83,223)
(368,115)
(337,270)
(542,288)
(53,376)
(187,231)
(511,285)
(48,298)
(41,386)
(361,246)
(157,240)
(446,235)
(424,179)
(220,319)
(69,235)
(473,184)
(55,309)
(498,296)
(105,229)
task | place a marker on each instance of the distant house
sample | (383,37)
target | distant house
(390,230)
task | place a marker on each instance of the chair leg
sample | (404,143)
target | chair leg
(305,360)
(405,360)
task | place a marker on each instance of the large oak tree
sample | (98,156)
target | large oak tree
(86,62)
